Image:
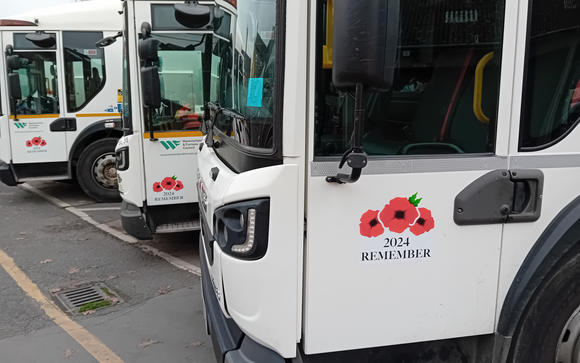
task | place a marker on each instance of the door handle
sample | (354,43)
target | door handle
(64,124)
(501,196)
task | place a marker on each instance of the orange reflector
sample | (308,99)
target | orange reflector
(11,22)
(233,2)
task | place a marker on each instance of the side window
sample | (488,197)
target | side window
(430,109)
(181,58)
(38,84)
(84,68)
(551,97)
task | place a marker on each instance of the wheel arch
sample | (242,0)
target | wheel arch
(92,133)
(561,235)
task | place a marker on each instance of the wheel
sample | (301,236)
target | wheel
(97,171)
(549,330)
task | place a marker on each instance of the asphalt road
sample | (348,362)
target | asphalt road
(159,316)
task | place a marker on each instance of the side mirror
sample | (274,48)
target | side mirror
(193,15)
(14,86)
(41,39)
(13,62)
(148,50)
(150,87)
(365,44)
(105,42)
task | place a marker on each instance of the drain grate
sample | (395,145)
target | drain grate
(74,299)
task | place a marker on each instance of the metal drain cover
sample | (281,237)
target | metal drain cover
(74,299)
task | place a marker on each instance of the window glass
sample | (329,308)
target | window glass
(551,101)
(181,78)
(38,84)
(84,66)
(430,108)
(21,43)
(247,66)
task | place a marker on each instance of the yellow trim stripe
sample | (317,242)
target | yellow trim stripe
(91,343)
(97,114)
(51,115)
(165,135)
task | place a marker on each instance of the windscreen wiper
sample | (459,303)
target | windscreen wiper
(209,120)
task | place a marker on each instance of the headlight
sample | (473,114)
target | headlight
(241,229)
(122,156)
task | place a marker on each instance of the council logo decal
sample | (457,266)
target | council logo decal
(399,231)
(170,144)
(36,141)
(20,125)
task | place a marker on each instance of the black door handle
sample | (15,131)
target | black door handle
(64,124)
(501,196)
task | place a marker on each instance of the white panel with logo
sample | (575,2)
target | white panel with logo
(170,172)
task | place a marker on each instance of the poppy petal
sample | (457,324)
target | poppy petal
(411,214)
(377,230)
(368,216)
(417,229)
(425,213)
(398,225)
(429,224)
(387,215)
(365,230)
(400,203)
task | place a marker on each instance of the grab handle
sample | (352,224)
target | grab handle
(478,91)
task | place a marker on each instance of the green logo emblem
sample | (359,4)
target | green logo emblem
(20,125)
(170,144)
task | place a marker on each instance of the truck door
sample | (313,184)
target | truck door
(544,134)
(176,124)
(35,137)
(411,251)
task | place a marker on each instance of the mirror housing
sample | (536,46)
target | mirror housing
(105,42)
(41,39)
(13,62)
(14,86)
(365,44)
(148,50)
(193,15)
(150,87)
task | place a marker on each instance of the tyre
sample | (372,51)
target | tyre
(549,330)
(97,171)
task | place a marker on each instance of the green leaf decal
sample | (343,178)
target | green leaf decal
(174,177)
(413,200)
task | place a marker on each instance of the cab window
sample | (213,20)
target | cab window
(430,108)
(551,97)
(38,83)
(84,66)
(181,78)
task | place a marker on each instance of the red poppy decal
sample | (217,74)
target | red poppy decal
(36,141)
(178,186)
(157,187)
(168,183)
(370,225)
(424,223)
(397,216)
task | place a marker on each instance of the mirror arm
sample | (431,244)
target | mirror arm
(151,132)
(15,103)
(355,157)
